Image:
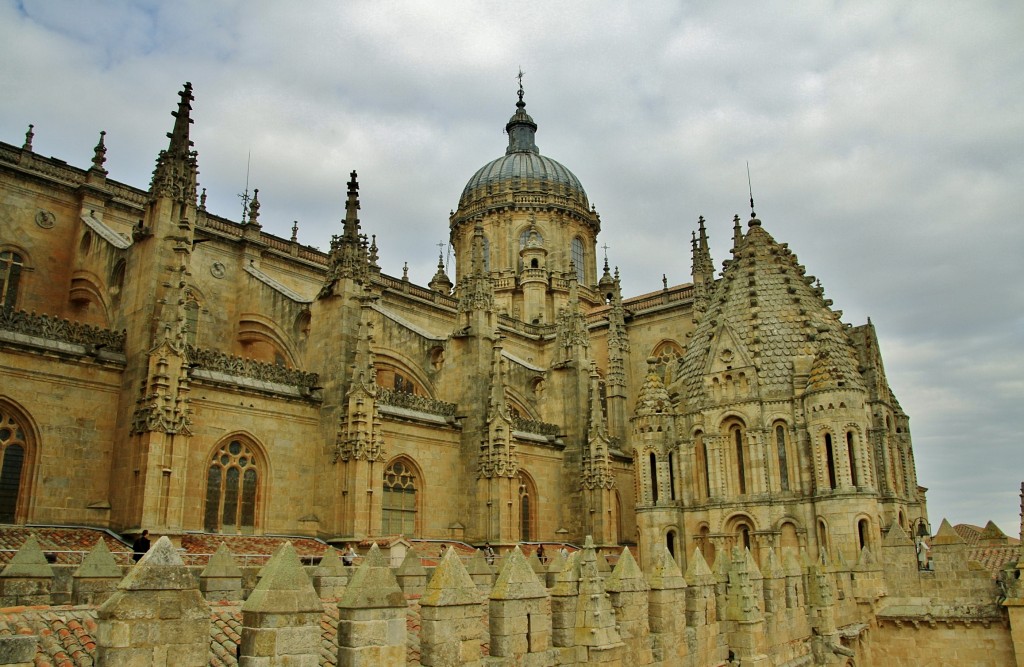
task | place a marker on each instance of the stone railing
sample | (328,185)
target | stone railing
(534,426)
(401,399)
(58,329)
(227,364)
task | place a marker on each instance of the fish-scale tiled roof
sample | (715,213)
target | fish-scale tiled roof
(653,398)
(775,315)
(66,544)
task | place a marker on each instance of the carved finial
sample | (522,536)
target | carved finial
(99,154)
(27,146)
(254,207)
(202,200)
(405,272)
(521,104)
(664,281)
(295,231)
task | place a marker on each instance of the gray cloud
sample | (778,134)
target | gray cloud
(884,142)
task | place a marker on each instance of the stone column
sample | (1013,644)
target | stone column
(156,617)
(451,627)
(96,578)
(520,616)
(281,617)
(667,598)
(628,590)
(28,578)
(371,616)
(222,578)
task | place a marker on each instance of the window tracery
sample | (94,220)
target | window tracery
(13,444)
(398,515)
(232,485)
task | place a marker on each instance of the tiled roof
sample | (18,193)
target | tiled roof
(65,633)
(260,545)
(995,559)
(67,544)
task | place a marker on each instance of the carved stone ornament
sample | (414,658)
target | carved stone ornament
(217,270)
(46,219)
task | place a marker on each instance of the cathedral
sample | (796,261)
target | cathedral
(169,369)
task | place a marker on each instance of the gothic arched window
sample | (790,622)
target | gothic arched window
(232,485)
(398,516)
(11,266)
(527,507)
(577,259)
(12,450)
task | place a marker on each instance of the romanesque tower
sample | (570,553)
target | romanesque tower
(779,412)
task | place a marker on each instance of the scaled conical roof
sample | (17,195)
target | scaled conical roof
(765,313)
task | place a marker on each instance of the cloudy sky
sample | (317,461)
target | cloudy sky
(884,141)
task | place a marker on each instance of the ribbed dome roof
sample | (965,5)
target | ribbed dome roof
(523,161)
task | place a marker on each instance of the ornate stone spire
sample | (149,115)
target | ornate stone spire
(703,268)
(597,467)
(359,436)
(350,255)
(475,290)
(440,282)
(176,170)
(497,451)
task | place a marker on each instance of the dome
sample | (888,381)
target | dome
(523,168)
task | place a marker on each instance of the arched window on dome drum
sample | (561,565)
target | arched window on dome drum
(830,459)
(11,266)
(780,443)
(654,477)
(671,476)
(12,451)
(577,260)
(702,480)
(853,458)
(398,516)
(741,468)
(232,482)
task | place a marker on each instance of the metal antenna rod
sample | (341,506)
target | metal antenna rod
(750,189)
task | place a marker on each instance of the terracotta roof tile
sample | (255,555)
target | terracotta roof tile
(69,545)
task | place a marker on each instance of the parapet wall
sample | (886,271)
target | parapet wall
(788,610)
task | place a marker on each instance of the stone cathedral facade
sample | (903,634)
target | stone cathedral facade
(166,368)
